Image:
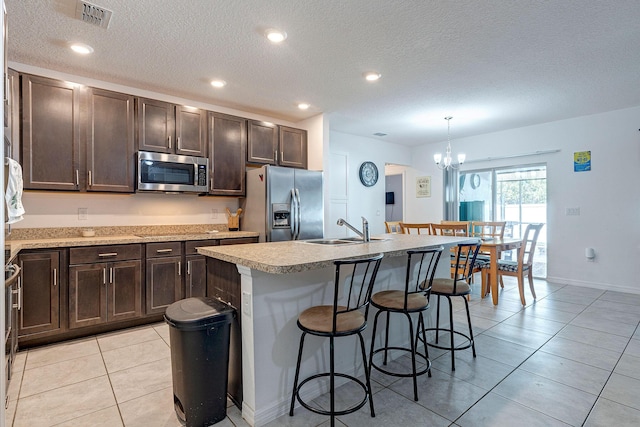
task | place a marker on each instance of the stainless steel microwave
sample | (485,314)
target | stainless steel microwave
(172,173)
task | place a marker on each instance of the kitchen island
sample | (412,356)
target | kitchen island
(281,279)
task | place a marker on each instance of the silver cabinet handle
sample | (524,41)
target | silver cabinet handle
(19,293)
(111,275)
(282,156)
(275,154)
(77,178)
(55,277)
(164,251)
(188,268)
(179,268)
(177,142)
(90,180)
(211,183)
(104,276)
(108,254)
(169,141)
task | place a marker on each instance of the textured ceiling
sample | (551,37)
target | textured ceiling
(491,64)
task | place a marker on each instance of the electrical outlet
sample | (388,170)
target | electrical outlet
(246,303)
(572,211)
(214,213)
(83,214)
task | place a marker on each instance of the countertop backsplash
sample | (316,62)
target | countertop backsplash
(65,232)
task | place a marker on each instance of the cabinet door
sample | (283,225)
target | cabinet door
(227,149)
(87,294)
(191,131)
(124,292)
(164,283)
(156,125)
(293,147)
(40,277)
(196,276)
(110,142)
(50,134)
(262,142)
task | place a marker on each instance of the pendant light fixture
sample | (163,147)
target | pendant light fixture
(447,162)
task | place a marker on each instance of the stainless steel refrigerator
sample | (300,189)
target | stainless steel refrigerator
(284,204)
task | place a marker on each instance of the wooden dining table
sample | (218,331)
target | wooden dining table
(494,246)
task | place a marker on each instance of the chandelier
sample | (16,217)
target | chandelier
(447,162)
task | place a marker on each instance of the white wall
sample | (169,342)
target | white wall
(608,196)
(393,183)
(362,201)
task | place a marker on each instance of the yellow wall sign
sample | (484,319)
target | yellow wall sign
(582,161)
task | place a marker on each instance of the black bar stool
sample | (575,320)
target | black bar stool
(462,266)
(421,268)
(347,316)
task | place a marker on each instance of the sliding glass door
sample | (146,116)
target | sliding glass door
(517,195)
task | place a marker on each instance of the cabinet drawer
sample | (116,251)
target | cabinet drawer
(238,241)
(91,254)
(191,245)
(155,250)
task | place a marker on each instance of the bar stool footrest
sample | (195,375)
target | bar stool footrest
(438,330)
(399,374)
(336,413)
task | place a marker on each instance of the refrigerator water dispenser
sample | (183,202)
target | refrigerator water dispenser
(281,215)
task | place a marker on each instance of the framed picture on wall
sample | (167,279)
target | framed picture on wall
(423,186)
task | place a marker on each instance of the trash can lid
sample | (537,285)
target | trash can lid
(198,312)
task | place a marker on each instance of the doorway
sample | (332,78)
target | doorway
(394,197)
(517,195)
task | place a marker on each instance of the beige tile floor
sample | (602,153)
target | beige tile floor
(570,358)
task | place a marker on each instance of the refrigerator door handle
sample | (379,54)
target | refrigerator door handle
(298,215)
(292,216)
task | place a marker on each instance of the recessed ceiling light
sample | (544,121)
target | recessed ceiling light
(372,76)
(81,48)
(218,83)
(275,36)
(303,106)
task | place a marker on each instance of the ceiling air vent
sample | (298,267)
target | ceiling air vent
(380,134)
(92,14)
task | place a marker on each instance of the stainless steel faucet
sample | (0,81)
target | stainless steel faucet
(364,234)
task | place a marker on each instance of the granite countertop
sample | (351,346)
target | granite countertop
(71,237)
(297,256)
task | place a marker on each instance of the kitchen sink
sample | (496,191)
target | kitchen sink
(342,241)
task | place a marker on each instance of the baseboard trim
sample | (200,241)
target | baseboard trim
(593,285)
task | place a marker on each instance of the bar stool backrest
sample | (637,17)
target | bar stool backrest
(421,269)
(358,276)
(465,256)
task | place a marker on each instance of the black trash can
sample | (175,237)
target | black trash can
(199,330)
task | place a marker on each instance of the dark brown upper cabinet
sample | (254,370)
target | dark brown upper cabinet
(50,134)
(12,114)
(293,147)
(110,141)
(168,128)
(262,142)
(276,145)
(227,151)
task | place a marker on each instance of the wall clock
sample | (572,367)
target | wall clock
(475,181)
(368,174)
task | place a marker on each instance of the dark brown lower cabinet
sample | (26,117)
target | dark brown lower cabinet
(195,277)
(104,292)
(164,282)
(41,283)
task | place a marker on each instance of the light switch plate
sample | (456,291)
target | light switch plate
(83,213)
(572,212)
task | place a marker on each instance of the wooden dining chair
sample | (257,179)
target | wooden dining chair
(393,227)
(416,228)
(467,223)
(488,229)
(524,264)
(450,228)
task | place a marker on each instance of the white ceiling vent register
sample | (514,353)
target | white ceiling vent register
(92,14)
